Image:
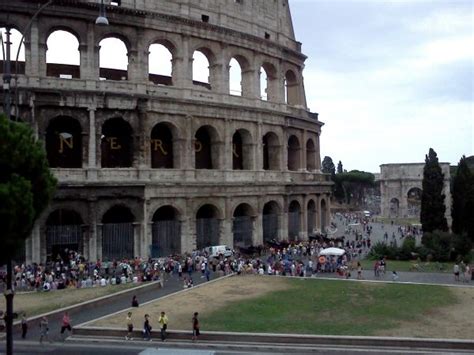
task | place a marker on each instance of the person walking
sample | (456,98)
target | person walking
(147,328)
(44,330)
(66,324)
(456,272)
(24,326)
(195,322)
(134,301)
(163,321)
(129,326)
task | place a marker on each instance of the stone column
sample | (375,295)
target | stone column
(318,152)
(99,233)
(258,229)
(137,239)
(250,83)
(35,242)
(92,157)
(258,165)
(227,148)
(182,65)
(304,155)
(42,48)
(304,217)
(318,212)
(284,219)
(32,51)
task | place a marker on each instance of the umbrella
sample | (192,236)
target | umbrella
(332,251)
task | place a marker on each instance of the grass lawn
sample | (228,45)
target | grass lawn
(330,307)
(34,303)
(410,265)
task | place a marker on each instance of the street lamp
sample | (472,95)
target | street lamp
(7,76)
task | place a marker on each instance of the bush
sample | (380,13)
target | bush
(380,250)
(440,244)
(461,247)
(407,249)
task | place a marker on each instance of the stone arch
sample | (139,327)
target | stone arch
(311,216)
(240,75)
(242,150)
(202,57)
(268,82)
(310,155)
(114,67)
(207,148)
(271,221)
(15,38)
(414,201)
(60,40)
(118,236)
(291,88)
(64,142)
(294,151)
(271,151)
(162,149)
(242,225)
(116,144)
(207,226)
(294,220)
(63,234)
(161,54)
(166,232)
(394,207)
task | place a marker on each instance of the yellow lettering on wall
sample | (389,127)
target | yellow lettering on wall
(158,144)
(113,143)
(69,142)
(197,146)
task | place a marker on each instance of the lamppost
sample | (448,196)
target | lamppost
(7,76)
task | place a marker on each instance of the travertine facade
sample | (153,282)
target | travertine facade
(401,187)
(151,165)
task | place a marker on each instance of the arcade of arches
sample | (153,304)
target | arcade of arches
(68,146)
(119,230)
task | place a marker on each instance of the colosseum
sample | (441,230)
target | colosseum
(156,162)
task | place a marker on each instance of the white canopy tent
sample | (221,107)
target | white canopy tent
(332,251)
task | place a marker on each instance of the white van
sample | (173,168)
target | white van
(217,250)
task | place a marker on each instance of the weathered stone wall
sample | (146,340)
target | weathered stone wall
(258,190)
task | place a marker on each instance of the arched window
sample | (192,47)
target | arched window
(270,221)
(201,72)
(294,221)
(293,153)
(160,64)
(113,59)
(15,38)
(271,152)
(235,78)
(242,150)
(63,234)
(207,227)
(117,144)
(161,146)
(206,148)
(166,232)
(63,58)
(291,88)
(310,155)
(64,143)
(242,226)
(263,84)
(118,234)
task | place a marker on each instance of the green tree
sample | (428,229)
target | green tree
(353,184)
(340,170)
(433,209)
(461,193)
(328,166)
(26,187)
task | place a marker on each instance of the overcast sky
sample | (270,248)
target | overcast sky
(390,79)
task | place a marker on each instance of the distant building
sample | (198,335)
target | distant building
(401,188)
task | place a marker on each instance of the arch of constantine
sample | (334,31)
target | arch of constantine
(401,188)
(152,162)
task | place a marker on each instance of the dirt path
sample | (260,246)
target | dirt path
(180,308)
